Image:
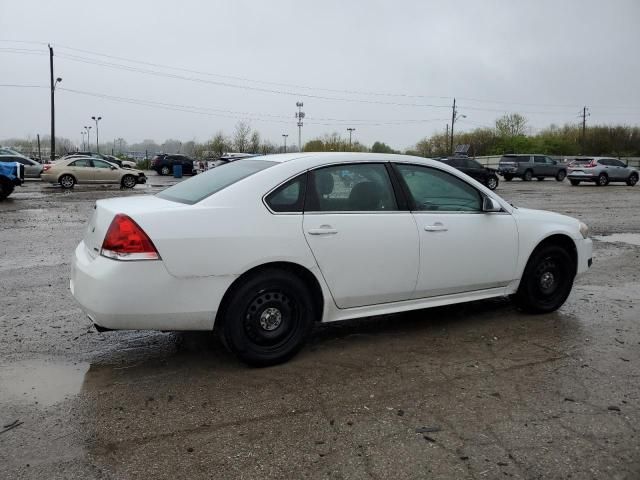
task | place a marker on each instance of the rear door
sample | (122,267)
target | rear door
(365,244)
(462,248)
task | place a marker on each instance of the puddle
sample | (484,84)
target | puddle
(40,382)
(630,238)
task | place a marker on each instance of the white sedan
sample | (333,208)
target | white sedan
(263,248)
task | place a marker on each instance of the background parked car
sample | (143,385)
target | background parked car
(486,176)
(163,164)
(32,169)
(529,166)
(108,158)
(601,171)
(70,171)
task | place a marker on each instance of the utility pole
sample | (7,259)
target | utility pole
(299,116)
(53,104)
(39,154)
(97,119)
(82,134)
(585,114)
(454,117)
(447,134)
(350,130)
(284,136)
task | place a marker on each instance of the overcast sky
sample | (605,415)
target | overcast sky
(390,69)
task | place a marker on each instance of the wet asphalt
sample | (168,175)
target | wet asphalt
(472,391)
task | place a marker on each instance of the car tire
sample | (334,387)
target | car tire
(67,181)
(632,180)
(6,188)
(492,182)
(528,175)
(165,170)
(561,175)
(575,183)
(547,280)
(129,181)
(603,180)
(269,318)
(508,178)
(540,179)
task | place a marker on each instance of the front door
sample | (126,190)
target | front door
(462,248)
(82,170)
(364,245)
(104,172)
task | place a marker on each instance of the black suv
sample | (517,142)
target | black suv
(474,169)
(163,164)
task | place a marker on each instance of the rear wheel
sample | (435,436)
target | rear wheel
(165,170)
(632,180)
(575,183)
(269,318)
(508,178)
(603,180)
(547,280)
(129,181)
(67,181)
(528,175)
(561,175)
(492,182)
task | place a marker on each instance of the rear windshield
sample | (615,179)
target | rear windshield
(582,160)
(514,158)
(201,186)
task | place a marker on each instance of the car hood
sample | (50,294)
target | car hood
(546,216)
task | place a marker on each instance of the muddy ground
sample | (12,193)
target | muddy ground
(474,391)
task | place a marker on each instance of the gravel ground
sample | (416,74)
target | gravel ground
(466,392)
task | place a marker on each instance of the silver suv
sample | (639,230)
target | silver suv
(601,170)
(529,166)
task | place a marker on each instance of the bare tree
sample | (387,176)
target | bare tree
(254,143)
(241,136)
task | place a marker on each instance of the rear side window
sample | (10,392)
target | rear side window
(289,197)
(201,186)
(83,162)
(362,187)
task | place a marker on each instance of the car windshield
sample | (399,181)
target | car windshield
(201,186)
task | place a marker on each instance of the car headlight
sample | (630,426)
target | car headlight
(584,230)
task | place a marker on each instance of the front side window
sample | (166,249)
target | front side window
(201,186)
(288,197)
(537,159)
(101,164)
(83,162)
(435,190)
(364,187)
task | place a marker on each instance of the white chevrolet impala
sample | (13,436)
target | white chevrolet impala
(263,248)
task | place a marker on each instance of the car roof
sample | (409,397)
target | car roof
(321,158)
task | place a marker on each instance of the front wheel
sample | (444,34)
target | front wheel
(575,183)
(561,175)
(129,181)
(492,182)
(67,181)
(269,318)
(632,180)
(528,175)
(547,280)
(508,178)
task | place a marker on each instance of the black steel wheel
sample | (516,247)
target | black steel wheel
(547,280)
(269,318)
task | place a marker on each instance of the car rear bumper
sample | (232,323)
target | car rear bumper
(582,176)
(142,294)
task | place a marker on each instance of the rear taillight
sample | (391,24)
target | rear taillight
(125,240)
(591,164)
(46,167)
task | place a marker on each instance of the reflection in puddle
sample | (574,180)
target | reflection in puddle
(630,238)
(41,382)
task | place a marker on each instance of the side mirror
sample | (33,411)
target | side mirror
(113,168)
(490,205)
(555,162)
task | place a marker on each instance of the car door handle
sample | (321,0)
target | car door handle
(322,231)
(437,227)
